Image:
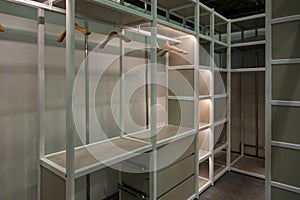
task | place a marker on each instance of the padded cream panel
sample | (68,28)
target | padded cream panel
(235,112)
(181,82)
(286,82)
(285,166)
(204,82)
(285,40)
(220,82)
(285,124)
(283,8)
(279,194)
(181,113)
(220,109)
(204,111)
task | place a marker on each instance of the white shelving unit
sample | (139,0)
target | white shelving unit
(213,69)
(248,46)
(197,24)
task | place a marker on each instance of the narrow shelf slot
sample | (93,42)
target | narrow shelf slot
(251,166)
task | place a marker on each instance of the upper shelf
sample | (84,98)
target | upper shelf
(111,12)
(248,23)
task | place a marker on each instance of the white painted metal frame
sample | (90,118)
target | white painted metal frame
(272,102)
(212,65)
(41,93)
(69,174)
(228,159)
(245,70)
(196,97)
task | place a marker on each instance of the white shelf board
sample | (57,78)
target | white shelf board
(222,121)
(165,134)
(259,69)
(181,98)
(221,69)
(93,157)
(250,166)
(203,155)
(220,96)
(203,67)
(204,97)
(181,67)
(203,126)
(246,44)
(220,147)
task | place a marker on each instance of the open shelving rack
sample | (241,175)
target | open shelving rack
(249,37)
(190,17)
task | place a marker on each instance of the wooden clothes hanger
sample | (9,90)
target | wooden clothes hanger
(112,35)
(77,27)
(168,48)
(174,48)
(1,28)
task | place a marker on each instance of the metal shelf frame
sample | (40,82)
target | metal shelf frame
(246,45)
(270,102)
(69,174)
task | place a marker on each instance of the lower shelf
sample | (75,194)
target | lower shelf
(204,183)
(203,155)
(219,170)
(95,156)
(250,165)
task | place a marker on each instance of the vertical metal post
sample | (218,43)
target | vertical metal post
(196,96)
(70,75)
(146,85)
(268,166)
(212,65)
(229,94)
(41,93)
(122,88)
(242,116)
(87,92)
(87,103)
(153,123)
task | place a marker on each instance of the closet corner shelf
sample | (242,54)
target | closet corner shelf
(204,183)
(258,69)
(246,44)
(181,67)
(219,122)
(203,126)
(250,166)
(220,96)
(93,157)
(181,98)
(220,146)
(204,97)
(203,155)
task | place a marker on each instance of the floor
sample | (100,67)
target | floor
(234,186)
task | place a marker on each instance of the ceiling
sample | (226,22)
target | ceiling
(236,8)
